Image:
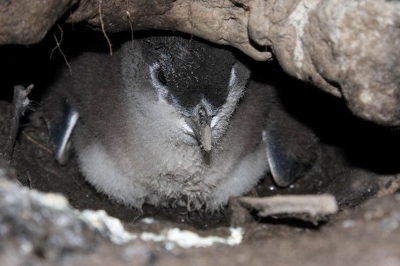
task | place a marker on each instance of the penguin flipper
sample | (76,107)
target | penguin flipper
(291,148)
(60,130)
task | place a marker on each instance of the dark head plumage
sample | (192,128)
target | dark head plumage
(192,70)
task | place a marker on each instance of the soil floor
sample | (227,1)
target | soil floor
(362,233)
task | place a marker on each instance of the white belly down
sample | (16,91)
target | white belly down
(172,181)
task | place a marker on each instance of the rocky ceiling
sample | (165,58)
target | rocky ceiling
(347,48)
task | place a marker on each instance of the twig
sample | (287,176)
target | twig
(37,143)
(103,28)
(20,103)
(19,183)
(58,46)
(72,24)
(311,204)
(30,180)
(129,19)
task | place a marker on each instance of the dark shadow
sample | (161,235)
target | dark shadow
(364,144)
(300,221)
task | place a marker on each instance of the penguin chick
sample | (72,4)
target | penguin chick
(170,122)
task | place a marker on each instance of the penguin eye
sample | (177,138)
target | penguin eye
(161,76)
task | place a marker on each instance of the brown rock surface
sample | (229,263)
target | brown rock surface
(349,49)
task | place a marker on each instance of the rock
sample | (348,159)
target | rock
(349,49)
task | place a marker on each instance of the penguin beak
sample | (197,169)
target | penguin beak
(200,123)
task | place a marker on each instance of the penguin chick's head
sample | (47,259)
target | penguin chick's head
(201,81)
